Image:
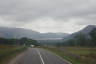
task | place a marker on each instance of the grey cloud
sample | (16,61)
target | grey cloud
(26,10)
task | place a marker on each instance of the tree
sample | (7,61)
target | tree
(93,37)
(81,39)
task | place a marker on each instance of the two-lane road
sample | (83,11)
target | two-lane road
(38,56)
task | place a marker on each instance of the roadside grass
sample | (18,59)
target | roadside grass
(7,52)
(76,55)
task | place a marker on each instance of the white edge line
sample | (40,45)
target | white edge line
(61,58)
(40,57)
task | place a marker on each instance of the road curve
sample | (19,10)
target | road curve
(38,56)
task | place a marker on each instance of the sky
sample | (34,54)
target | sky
(66,16)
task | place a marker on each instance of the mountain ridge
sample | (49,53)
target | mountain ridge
(85,31)
(7,32)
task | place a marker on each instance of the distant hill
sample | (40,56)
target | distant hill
(20,32)
(53,35)
(87,29)
(84,37)
(84,31)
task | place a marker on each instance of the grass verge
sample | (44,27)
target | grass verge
(76,55)
(8,52)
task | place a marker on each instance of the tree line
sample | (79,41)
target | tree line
(82,40)
(21,41)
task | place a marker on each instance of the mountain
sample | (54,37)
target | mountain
(88,29)
(53,35)
(17,33)
(85,31)
(21,32)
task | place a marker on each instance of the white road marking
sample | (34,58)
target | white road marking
(61,58)
(40,57)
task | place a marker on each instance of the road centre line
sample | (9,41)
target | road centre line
(40,57)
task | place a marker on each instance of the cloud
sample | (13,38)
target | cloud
(50,25)
(24,10)
(19,13)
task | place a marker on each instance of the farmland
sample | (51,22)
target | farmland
(8,52)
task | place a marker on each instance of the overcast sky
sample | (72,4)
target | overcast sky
(48,15)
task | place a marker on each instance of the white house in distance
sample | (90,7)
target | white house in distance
(32,45)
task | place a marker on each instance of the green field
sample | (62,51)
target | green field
(76,55)
(8,52)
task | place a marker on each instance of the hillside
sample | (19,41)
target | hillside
(84,37)
(21,32)
(85,31)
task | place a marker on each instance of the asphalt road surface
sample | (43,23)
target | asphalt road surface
(38,56)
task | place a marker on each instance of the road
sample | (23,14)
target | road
(38,56)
